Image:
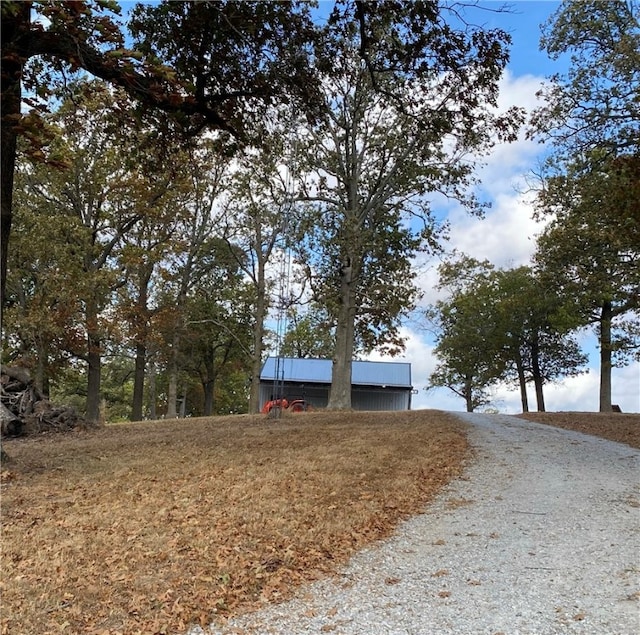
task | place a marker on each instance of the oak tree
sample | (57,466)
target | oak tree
(409,95)
(590,255)
(594,105)
(590,184)
(500,326)
(95,200)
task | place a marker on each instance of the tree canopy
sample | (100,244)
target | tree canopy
(397,122)
(590,253)
(500,326)
(595,105)
(589,191)
(174,166)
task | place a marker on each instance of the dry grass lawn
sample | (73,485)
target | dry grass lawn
(615,426)
(151,527)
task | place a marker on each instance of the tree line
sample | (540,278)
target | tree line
(519,326)
(173,172)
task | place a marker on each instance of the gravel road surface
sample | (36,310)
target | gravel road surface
(540,537)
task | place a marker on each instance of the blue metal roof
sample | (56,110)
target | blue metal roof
(318,371)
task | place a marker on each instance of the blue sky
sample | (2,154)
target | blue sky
(506,236)
(523,23)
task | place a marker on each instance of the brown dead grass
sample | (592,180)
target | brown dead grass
(151,527)
(615,426)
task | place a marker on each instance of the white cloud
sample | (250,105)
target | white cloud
(508,163)
(519,90)
(418,351)
(505,237)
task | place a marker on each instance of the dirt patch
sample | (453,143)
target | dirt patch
(152,527)
(615,426)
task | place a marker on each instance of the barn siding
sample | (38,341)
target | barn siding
(379,399)
(362,398)
(377,385)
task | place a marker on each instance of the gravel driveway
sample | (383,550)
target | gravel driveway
(541,536)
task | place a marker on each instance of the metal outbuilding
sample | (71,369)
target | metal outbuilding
(374,385)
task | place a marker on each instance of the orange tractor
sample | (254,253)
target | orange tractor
(278,405)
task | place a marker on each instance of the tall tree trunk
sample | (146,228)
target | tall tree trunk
(94,362)
(141,325)
(522,381)
(40,378)
(14,22)
(151,393)
(340,397)
(172,371)
(254,390)
(94,372)
(606,315)
(183,404)
(258,338)
(208,387)
(538,380)
(468,394)
(138,382)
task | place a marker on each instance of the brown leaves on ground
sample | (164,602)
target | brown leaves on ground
(615,426)
(152,527)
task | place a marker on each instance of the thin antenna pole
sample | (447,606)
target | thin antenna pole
(284,295)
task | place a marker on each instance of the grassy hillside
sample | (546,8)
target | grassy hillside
(151,527)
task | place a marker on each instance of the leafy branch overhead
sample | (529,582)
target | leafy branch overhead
(394,101)
(594,105)
(212,87)
(220,65)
